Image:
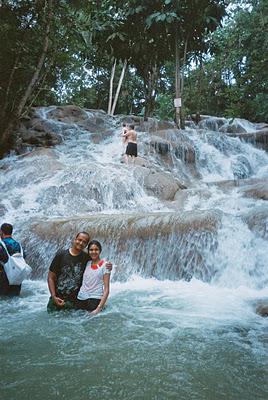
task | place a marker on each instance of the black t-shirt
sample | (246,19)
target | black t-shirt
(69,271)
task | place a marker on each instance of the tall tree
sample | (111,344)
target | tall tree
(37,38)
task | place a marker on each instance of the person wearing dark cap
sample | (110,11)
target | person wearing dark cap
(12,246)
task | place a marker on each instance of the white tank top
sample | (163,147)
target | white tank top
(92,284)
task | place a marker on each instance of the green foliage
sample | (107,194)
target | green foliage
(225,71)
(164,108)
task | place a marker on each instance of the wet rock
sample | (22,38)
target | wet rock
(186,153)
(257,138)
(161,146)
(190,124)
(212,123)
(157,183)
(142,162)
(237,125)
(261,139)
(190,234)
(47,127)
(241,167)
(171,140)
(262,309)
(182,196)
(47,152)
(41,163)
(257,220)
(151,125)
(68,114)
(39,133)
(258,190)
(86,119)
(257,134)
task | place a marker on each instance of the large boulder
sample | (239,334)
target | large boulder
(160,145)
(38,132)
(257,134)
(157,183)
(47,127)
(261,138)
(237,125)
(262,309)
(257,220)
(256,190)
(151,125)
(68,114)
(86,119)
(168,140)
(212,123)
(134,242)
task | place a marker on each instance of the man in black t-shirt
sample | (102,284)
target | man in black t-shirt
(66,273)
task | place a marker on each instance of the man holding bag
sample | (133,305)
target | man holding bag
(12,246)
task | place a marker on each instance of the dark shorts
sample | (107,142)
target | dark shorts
(131,149)
(89,304)
(5,288)
(51,306)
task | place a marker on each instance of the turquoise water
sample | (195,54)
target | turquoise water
(155,340)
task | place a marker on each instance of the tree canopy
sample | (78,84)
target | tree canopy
(212,54)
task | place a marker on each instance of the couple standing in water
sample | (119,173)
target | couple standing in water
(79,280)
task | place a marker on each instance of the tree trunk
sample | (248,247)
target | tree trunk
(177,79)
(150,90)
(111,89)
(40,64)
(119,87)
(9,84)
(17,114)
(182,116)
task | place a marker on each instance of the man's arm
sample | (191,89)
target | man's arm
(3,255)
(109,266)
(52,281)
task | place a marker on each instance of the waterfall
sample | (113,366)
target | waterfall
(83,184)
(186,229)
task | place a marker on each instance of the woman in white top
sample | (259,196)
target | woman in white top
(95,287)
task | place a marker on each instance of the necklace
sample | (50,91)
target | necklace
(96,266)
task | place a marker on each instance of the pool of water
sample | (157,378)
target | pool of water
(155,340)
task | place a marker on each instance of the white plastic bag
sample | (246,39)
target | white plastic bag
(16,267)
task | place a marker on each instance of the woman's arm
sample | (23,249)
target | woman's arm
(106,289)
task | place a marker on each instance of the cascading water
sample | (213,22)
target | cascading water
(180,321)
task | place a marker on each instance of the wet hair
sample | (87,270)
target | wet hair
(132,126)
(83,233)
(7,229)
(96,244)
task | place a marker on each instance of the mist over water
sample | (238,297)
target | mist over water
(180,321)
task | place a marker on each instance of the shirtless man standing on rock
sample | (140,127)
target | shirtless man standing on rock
(131,139)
